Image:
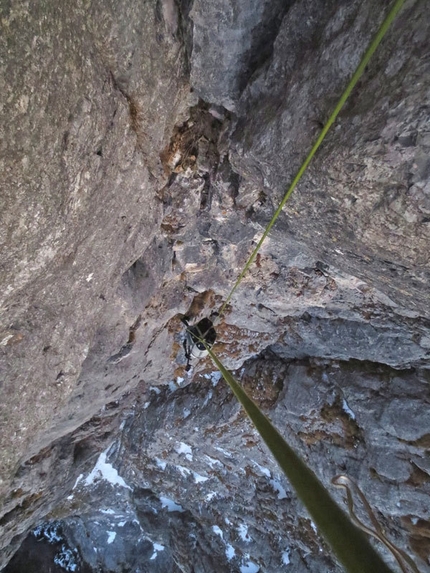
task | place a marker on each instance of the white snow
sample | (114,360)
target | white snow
(160,463)
(155,389)
(121,523)
(49,531)
(414,520)
(210,496)
(218,531)
(230,552)
(66,559)
(108,511)
(105,471)
(227,454)
(157,549)
(187,413)
(173,386)
(146,404)
(286,557)
(215,377)
(282,494)
(213,462)
(171,505)
(263,470)
(78,480)
(111,536)
(347,409)
(183,448)
(179,380)
(243,532)
(249,567)
(183,471)
(198,478)
(314,527)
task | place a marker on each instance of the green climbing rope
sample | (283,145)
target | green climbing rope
(348,543)
(352,82)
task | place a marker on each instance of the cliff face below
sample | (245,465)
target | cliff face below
(144,148)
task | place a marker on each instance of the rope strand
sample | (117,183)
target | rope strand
(352,83)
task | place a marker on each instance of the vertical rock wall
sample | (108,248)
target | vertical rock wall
(144,147)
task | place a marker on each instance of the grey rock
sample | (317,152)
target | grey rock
(144,147)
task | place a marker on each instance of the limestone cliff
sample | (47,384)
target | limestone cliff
(144,146)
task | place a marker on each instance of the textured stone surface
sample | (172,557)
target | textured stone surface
(128,201)
(79,207)
(364,203)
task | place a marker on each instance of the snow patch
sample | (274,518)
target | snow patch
(230,552)
(282,494)
(214,377)
(186,413)
(111,536)
(347,409)
(183,471)
(314,527)
(160,464)
(249,567)
(243,532)
(210,496)
(65,558)
(208,397)
(218,531)
(172,386)
(155,389)
(213,462)
(171,505)
(286,556)
(77,481)
(227,454)
(49,531)
(183,448)
(263,470)
(157,549)
(198,478)
(105,471)
(107,511)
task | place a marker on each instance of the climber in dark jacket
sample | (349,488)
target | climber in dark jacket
(193,342)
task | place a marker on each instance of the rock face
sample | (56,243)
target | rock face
(144,147)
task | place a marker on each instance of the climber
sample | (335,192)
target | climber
(193,341)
